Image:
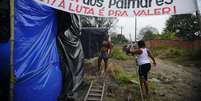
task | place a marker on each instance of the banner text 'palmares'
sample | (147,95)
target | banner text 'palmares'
(126,8)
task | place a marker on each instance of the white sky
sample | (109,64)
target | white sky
(128,24)
(199,5)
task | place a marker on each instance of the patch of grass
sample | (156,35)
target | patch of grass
(176,52)
(110,98)
(178,55)
(189,58)
(117,53)
(167,51)
(152,85)
(120,75)
(123,80)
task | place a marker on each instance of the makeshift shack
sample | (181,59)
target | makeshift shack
(91,39)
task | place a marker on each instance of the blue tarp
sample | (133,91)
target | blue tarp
(4,50)
(4,60)
(36,61)
(4,70)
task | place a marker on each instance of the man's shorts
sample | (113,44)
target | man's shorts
(144,69)
(103,55)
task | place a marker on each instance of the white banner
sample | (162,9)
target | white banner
(125,8)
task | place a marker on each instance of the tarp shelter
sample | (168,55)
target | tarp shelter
(42,72)
(4,50)
(92,40)
(71,54)
(36,60)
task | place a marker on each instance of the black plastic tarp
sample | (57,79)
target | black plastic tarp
(4,20)
(92,39)
(4,50)
(71,54)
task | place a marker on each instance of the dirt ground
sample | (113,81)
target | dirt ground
(176,82)
(169,81)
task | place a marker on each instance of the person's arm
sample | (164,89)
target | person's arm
(109,48)
(151,56)
(135,51)
(109,51)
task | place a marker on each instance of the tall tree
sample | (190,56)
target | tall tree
(185,26)
(118,38)
(148,33)
(89,21)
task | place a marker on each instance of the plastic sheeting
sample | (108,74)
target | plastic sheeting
(4,20)
(36,60)
(92,40)
(4,50)
(71,54)
(4,71)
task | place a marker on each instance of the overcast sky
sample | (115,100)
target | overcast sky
(128,24)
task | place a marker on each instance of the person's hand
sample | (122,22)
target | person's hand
(131,50)
(109,55)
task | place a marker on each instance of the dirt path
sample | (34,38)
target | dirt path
(172,82)
(175,82)
(169,81)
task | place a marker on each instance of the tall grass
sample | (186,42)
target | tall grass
(167,51)
(120,75)
(117,53)
(176,52)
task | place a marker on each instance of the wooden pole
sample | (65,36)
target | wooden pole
(135,28)
(137,68)
(11,48)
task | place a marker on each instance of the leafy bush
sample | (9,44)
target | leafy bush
(163,36)
(119,39)
(175,52)
(117,53)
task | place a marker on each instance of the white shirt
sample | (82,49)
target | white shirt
(143,58)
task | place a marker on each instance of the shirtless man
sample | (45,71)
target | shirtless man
(104,52)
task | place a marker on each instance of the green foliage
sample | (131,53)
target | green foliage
(167,36)
(117,53)
(178,53)
(149,36)
(90,21)
(174,52)
(167,51)
(119,39)
(184,25)
(121,75)
(148,33)
(163,36)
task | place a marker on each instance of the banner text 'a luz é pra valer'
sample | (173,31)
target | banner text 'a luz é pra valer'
(126,8)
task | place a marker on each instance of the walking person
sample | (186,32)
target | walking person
(104,53)
(144,63)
